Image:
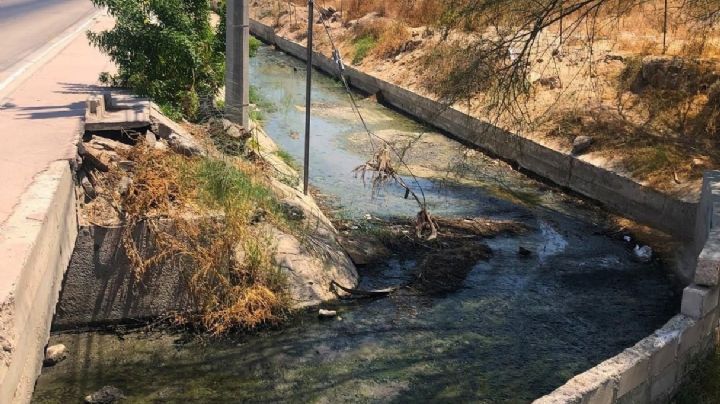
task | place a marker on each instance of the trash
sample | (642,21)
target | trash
(627,239)
(643,254)
(322,313)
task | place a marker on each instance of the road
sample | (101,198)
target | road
(27,26)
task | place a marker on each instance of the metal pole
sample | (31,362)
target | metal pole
(665,21)
(237,62)
(308,94)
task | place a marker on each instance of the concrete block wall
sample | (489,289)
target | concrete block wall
(36,241)
(653,369)
(618,193)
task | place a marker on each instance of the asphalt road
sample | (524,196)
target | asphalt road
(28,25)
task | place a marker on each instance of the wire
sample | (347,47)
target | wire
(356,108)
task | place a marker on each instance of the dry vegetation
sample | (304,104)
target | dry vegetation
(587,81)
(210,213)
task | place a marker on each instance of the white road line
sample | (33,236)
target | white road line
(56,46)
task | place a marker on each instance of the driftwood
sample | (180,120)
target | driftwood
(366,293)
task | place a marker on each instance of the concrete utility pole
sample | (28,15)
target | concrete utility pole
(308,94)
(237,62)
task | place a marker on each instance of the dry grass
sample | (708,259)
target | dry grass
(215,209)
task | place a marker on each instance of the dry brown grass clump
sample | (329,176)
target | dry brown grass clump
(210,215)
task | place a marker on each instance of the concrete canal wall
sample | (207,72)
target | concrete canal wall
(653,369)
(36,243)
(618,193)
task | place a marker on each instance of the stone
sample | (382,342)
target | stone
(185,145)
(322,313)
(105,395)
(161,145)
(88,188)
(552,82)
(150,138)
(126,165)
(707,272)
(55,354)
(697,301)
(581,144)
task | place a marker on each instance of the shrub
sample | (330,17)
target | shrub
(166,50)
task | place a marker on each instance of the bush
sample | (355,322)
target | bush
(166,50)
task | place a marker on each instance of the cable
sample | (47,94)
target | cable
(341,68)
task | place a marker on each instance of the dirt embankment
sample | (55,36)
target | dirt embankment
(653,118)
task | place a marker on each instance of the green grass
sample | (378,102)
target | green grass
(254,46)
(287,158)
(363,46)
(261,103)
(224,185)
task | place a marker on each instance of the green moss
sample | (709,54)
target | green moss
(287,158)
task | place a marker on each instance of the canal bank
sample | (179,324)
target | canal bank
(514,327)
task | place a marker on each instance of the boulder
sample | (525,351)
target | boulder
(186,146)
(55,354)
(581,144)
(105,395)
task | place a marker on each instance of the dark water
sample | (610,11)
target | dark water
(515,330)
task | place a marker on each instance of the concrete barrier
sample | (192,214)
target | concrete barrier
(618,193)
(36,243)
(653,369)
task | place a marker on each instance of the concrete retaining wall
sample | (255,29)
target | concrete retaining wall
(100,286)
(618,193)
(36,243)
(653,369)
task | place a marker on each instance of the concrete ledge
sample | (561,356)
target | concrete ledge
(35,243)
(618,193)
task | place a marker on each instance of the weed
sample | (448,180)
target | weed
(287,158)
(255,44)
(363,46)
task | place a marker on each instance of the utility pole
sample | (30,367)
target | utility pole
(237,62)
(308,94)
(665,27)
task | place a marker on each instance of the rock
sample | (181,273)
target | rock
(322,313)
(100,159)
(581,144)
(5,345)
(552,82)
(55,354)
(105,395)
(185,145)
(126,165)
(411,45)
(88,188)
(524,252)
(161,145)
(614,58)
(150,138)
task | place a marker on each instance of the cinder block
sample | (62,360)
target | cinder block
(666,346)
(634,369)
(698,301)
(603,394)
(664,384)
(689,338)
(640,394)
(707,272)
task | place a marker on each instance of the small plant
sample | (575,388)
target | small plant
(255,44)
(287,158)
(363,46)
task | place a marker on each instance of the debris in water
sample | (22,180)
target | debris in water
(627,239)
(55,354)
(643,254)
(322,313)
(524,252)
(105,395)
